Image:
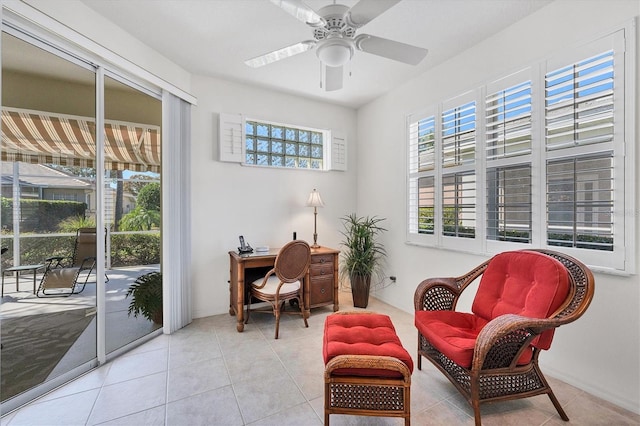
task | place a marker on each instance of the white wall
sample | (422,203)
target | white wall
(598,353)
(265,205)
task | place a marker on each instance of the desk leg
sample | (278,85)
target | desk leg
(236,293)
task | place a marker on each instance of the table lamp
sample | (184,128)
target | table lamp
(315,201)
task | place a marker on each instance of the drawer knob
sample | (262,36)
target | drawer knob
(323,260)
(322,290)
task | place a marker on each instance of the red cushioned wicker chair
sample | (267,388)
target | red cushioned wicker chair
(492,353)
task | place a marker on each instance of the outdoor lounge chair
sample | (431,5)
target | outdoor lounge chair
(64,276)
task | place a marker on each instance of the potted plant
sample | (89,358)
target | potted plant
(363,254)
(146,297)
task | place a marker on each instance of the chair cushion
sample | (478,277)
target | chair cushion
(525,283)
(454,334)
(272,286)
(363,334)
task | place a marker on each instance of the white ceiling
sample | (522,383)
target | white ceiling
(215,37)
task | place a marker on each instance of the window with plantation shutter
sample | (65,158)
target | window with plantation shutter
(508,148)
(459,205)
(580,202)
(579,103)
(459,135)
(509,203)
(422,166)
(546,160)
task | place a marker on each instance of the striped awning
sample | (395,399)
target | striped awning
(46,138)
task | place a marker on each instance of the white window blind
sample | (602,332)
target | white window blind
(459,205)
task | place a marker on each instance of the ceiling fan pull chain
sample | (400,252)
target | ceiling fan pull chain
(321,76)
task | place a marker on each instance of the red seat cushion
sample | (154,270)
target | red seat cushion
(524,283)
(363,334)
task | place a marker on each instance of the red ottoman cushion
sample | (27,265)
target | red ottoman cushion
(363,334)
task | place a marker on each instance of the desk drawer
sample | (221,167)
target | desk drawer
(320,269)
(321,290)
(322,258)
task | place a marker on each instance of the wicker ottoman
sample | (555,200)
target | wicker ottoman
(367,370)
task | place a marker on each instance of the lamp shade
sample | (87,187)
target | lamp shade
(314,199)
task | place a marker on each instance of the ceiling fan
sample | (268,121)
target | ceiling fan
(335,40)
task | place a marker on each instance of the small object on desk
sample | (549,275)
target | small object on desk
(262,249)
(244,247)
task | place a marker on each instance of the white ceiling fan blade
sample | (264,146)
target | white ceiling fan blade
(333,78)
(301,12)
(395,50)
(283,53)
(367,10)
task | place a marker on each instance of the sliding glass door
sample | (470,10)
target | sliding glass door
(80,151)
(48,192)
(132,206)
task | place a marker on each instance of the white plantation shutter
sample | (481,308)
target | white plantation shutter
(422,169)
(542,157)
(231,137)
(338,151)
(579,107)
(508,121)
(508,148)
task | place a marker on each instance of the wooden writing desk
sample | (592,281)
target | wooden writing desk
(320,284)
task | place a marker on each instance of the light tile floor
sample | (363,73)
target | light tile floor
(209,374)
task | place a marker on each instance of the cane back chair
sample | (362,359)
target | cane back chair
(492,353)
(284,282)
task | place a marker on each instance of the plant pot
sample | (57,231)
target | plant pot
(157,317)
(360,290)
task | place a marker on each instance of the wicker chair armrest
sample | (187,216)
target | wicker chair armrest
(367,362)
(436,294)
(266,277)
(505,337)
(442,293)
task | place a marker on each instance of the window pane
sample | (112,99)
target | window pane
(459,205)
(276,147)
(426,205)
(458,135)
(250,128)
(250,144)
(262,129)
(291,134)
(316,151)
(263,145)
(262,160)
(303,150)
(426,144)
(579,103)
(303,136)
(580,203)
(508,122)
(277,160)
(316,138)
(509,204)
(277,132)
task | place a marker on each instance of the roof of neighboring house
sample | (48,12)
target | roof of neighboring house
(41,176)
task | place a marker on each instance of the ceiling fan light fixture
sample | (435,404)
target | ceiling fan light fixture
(335,54)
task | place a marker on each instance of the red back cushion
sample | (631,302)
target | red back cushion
(526,283)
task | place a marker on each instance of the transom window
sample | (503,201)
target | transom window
(277,145)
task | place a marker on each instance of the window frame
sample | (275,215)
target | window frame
(621,259)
